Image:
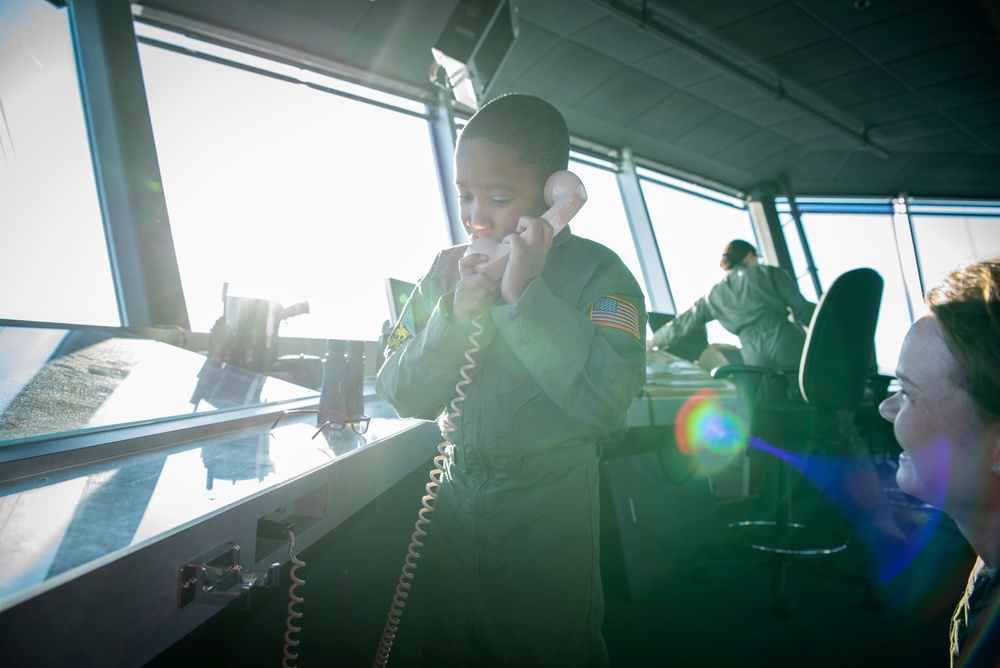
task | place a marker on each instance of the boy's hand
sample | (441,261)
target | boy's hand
(474,293)
(527,256)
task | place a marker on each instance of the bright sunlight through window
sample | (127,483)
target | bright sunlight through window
(290,194)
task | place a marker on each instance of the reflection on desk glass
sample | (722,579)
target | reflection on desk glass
(59,381)
(69,517)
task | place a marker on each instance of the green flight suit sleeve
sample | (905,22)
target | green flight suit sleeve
(698,315)
(427,348)
(801,308)
(591,371)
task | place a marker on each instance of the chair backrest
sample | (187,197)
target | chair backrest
(837,357)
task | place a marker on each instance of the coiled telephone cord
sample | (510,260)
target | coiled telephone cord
(293,614)
(441,472)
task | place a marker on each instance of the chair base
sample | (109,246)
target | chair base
(789,545)
(792,539)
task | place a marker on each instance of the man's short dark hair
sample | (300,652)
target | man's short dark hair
(530,126)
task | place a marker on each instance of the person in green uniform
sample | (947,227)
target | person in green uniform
(753,301)
(762,305)
(513,574)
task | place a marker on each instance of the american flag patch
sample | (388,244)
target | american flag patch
(614,312)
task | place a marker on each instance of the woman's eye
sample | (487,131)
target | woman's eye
(499,201)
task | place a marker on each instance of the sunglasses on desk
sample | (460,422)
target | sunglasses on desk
(332,419)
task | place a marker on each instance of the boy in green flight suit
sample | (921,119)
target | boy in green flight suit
(513,561)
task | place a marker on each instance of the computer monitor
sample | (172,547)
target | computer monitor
(397,291)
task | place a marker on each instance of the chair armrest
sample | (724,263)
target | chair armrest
(730,370)
(747,378)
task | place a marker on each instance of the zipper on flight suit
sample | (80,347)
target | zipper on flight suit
(480,432)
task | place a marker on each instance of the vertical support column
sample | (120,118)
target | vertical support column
(908,256)
(654,273)
(767,226)
(443,140)
(806,252)
(140,245)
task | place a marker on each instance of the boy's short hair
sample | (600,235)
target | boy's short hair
(530,126)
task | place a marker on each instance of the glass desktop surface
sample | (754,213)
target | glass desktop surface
(76,380)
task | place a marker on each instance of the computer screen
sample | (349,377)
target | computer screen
(397,291)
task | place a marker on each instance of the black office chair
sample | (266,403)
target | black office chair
(831,378)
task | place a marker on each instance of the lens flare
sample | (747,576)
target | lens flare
(708,431)
(846,480)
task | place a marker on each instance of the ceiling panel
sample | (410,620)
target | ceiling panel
(562,17)
(754,35)
(862,167)
(832,142)
(807,132)
(767,112)
(584,70)
(676,67)
(988,135)
(976,115)
(704,16)
(780,165)
(726,93)
(963,91)
(936,66)
(892,108)
(625,96)
(821,61)
(619,40)
(815,167)
(921,29)
(955,141)
(717,134)
(863,85)
(926,177)
(673,117)
(754,149)
(908,130)
(532,44)
(980,170)
(842,16)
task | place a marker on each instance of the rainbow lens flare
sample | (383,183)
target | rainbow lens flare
(708,431)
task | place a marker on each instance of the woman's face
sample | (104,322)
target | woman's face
(946,459)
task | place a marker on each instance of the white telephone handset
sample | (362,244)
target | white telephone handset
(564,192)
